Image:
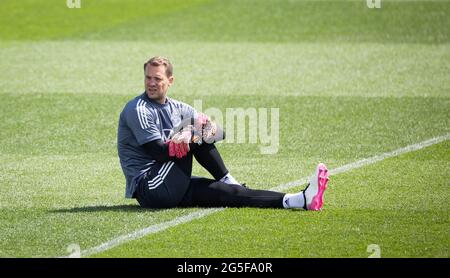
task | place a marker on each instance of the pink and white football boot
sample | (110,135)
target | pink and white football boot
(313,193)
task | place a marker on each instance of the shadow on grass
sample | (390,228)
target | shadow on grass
(122,208)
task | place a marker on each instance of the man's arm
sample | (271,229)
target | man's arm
(180,144)
(158,150)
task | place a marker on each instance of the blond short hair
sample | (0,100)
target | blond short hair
(160,61)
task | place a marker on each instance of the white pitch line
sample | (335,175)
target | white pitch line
(370,160)
(205,212)
(149,230)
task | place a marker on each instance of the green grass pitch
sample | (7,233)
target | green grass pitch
(350,83)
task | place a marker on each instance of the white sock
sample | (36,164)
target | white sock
(228,179)
(296,200)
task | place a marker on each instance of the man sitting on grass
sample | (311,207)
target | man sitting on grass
(157,138)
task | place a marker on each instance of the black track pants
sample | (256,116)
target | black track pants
(170,184)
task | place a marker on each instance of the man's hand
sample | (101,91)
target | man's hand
(179,143)
(205,129)
(209,132)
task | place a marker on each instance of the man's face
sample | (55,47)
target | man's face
(157,83)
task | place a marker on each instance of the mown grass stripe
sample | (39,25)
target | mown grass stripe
(205,212)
